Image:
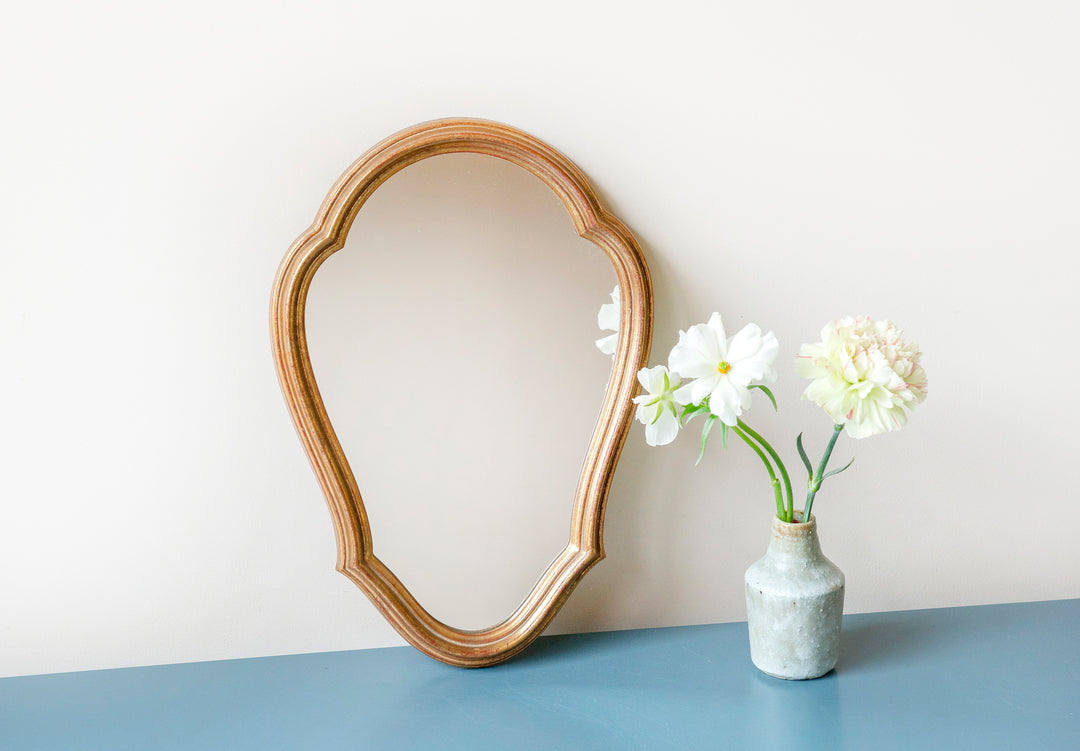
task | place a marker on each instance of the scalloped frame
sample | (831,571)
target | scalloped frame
(356,558)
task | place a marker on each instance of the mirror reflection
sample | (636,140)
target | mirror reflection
(454,342)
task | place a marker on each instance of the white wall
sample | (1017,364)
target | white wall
(785,163)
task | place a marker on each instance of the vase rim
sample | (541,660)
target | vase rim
(795,528)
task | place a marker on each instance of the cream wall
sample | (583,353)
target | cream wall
(785,163)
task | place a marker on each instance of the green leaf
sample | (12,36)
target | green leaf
(804,457)
(689,411)
(705,436)
(768,394)
(838,471)
(692,410)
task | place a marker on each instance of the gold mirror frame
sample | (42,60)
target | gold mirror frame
(356,558)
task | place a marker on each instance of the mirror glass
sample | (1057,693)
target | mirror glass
(453,339)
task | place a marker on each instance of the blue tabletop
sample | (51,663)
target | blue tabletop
(988,677)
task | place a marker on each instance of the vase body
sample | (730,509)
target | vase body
(794,603)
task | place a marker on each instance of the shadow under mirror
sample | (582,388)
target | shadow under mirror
(453,339)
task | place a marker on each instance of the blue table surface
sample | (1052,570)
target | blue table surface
(987,677)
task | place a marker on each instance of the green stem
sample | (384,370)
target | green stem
(789,509)
(819,475)
(780,511)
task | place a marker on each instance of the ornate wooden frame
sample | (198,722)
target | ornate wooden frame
(356,558)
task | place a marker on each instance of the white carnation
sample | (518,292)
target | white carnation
(864,375)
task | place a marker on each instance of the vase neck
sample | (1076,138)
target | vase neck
(795,541)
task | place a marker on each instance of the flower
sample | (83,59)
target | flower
(723,369)
(608,320)
(863,374)
(657,409)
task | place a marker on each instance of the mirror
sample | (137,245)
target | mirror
(462,311)
(467,302)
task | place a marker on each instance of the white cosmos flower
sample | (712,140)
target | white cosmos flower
(657,409)
(863,374)
(608,320)
(723,369)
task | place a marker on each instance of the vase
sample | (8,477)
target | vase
(794,603)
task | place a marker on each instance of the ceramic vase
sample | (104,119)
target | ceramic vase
(794,603)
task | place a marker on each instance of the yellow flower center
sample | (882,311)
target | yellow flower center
(724,366)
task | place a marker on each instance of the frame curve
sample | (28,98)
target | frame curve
(326,235)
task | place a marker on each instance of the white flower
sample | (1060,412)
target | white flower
(863,374)
(657,409)
(723,369)
(608,320)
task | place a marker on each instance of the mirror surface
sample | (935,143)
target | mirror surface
(453,341)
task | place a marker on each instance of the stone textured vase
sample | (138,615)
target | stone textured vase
(794,603)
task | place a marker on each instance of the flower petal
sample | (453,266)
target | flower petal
(684,395)
(725,401)
(646,413)
(716,323)
(663,430)
(607,344)
(745,343)
(656,380)
(704,340)
(702,387)
(608,317)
